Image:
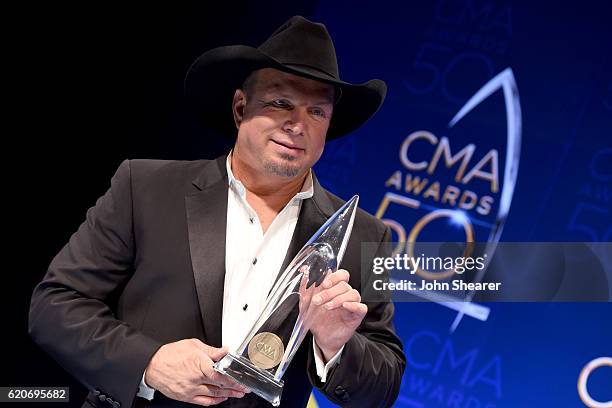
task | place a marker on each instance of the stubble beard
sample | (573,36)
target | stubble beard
(282,167)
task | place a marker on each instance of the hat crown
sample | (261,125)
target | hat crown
(303,43)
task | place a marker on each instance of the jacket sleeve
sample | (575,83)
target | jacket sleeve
(71,316)
(372,363)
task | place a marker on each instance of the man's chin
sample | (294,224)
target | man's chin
(283,166)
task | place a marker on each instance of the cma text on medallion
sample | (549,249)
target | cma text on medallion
(406,285)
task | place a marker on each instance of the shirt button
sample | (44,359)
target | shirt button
(254,261)
(246,305)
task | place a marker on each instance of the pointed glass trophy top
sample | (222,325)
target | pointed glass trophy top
(337,229)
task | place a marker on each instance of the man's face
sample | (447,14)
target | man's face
(282,122)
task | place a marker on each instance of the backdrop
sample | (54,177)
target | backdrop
(525,87)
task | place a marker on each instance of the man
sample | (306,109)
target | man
(177,258)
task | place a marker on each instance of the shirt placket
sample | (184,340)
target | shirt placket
(248,293)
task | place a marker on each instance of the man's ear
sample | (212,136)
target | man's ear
(238,106)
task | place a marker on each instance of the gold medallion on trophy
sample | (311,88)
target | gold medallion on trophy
(266,350)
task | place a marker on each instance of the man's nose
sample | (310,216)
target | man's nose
(295,123)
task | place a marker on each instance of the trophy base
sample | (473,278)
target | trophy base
(257,380)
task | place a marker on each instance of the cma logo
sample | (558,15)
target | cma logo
(468,186)
(434,358)
(486,169)
(267,350)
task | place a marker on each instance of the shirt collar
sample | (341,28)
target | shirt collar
(307,190)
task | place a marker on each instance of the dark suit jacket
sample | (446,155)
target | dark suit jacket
(147,268)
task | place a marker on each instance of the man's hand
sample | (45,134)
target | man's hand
(183,371)
(335,312)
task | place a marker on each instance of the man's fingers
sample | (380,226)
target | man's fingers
(338,276)
(214,353)
(208,390)
(212,377)
(328,294)
(304,283)
(206,368)
(358,310)
(217,354)
(225,382)
(207,401)
(351,295)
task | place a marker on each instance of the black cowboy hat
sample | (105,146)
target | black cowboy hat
(299,47)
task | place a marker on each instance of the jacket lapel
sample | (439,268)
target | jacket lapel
(207,220)
(314,212)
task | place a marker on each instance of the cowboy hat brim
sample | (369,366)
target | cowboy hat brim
(213,77)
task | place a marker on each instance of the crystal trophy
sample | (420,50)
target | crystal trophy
(266,352)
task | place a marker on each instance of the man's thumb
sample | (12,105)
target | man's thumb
(215,353)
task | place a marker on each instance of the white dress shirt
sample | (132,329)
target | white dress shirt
(252,260)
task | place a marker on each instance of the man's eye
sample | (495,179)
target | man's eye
(318,112)
(280,103)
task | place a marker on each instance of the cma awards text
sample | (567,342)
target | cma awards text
(425,162)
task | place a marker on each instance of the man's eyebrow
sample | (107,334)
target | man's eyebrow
(281,89)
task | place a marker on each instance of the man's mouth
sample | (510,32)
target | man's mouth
(288,145)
